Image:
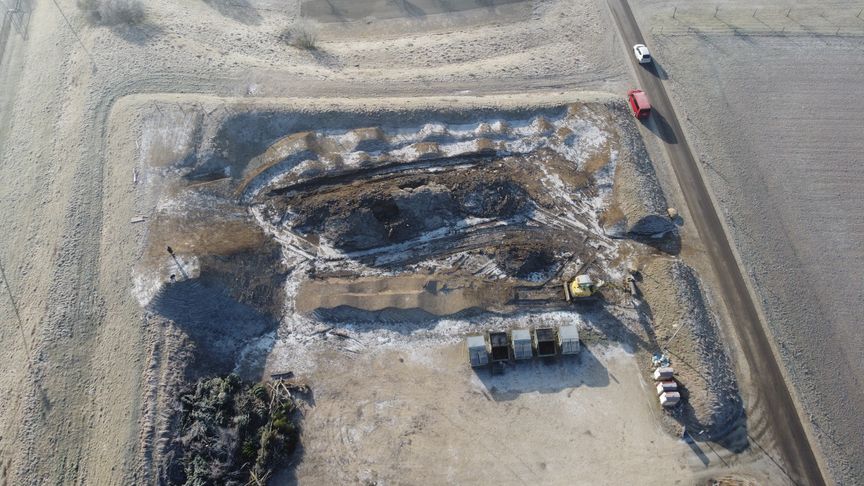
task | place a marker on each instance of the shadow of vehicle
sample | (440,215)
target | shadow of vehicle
(656,69)
(668,242)
(658,125)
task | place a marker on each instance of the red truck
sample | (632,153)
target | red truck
(639,103)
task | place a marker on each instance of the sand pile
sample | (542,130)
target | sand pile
(640,206)
(698,352)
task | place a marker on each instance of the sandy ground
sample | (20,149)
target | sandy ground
(84,366)
(464,426)
(174,192)
(75,396)
(781,161)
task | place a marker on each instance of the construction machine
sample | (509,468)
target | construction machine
(581,287)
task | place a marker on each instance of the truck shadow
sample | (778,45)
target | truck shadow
(658,125)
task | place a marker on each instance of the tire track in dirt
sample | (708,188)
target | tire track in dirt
(76,307)
(76,304)
(67,388)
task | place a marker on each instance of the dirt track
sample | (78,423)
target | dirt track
(772,390)
(68,262)
(79,410)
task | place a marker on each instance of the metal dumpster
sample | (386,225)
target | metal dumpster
(500,346)
(520,339)
(477,353)
(544,341)
(568,339)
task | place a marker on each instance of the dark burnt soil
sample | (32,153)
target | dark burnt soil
(398,214)
(237,298)
(397,208)
(530,258)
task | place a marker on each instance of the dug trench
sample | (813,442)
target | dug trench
(373,229)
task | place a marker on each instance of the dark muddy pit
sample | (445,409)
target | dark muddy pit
(375,213)
(524,261)
(395,214)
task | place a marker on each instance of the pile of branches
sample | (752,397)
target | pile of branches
(233,432)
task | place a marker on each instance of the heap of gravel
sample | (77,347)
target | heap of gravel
(638,194)
(698,353)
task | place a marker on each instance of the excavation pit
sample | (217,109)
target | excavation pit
(443,212)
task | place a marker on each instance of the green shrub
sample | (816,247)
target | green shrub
(228,429)
(300,35)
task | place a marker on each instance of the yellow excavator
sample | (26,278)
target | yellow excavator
(581,287)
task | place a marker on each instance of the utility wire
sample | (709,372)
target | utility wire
(17,314)
(69,24)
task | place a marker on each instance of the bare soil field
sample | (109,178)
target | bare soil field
(78,357)
(460,426)
(771,120)
(406,226)
(442,167)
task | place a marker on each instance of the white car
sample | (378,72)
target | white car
(641,53)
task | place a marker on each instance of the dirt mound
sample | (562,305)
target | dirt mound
(530,262)
(393,210)
(640,205)
(432,295)
(235,299)
(698,353)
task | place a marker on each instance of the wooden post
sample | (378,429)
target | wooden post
(754,12)
(674,11)
(716,9)
(788,12)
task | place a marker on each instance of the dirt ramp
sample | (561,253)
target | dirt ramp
(216,325)
(425,293)
(235,299)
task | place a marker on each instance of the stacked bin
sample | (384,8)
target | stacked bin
(477,353)
(521,342)
(568,339)
(667,387)
(544,341)
(500,346)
